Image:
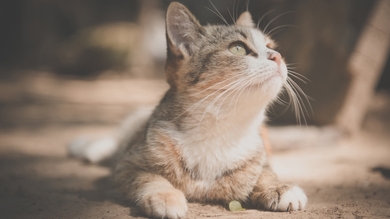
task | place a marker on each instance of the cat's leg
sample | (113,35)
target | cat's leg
(270,194)
(152,193)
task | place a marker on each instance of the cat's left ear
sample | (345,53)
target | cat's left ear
(245,20)
(182,29)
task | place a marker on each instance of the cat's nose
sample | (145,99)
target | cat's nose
(275,56)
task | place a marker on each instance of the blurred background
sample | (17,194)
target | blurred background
(54,54)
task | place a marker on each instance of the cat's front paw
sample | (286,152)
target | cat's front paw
(166,203)
(281,198)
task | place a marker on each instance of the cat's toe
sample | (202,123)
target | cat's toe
(282,198)
(165,204)
(292,200)
(267,200)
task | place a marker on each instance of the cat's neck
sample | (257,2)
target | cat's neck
(217,139)
(233,114)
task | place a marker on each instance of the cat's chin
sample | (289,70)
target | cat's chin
(274,82)
(277,78)
(268,88)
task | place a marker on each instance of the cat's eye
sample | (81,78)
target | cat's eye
(238,49)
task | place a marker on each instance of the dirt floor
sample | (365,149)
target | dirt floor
(347,178)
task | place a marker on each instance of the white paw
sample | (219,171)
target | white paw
(77,147)
(170,203)
(92,151)
(292,200)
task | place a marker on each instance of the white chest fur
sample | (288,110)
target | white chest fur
(211,150)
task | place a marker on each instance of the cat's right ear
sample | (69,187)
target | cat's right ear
(182,30)
(245,20)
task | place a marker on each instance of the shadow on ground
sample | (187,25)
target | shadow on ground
(55,187)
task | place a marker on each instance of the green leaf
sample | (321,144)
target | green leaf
(235,206)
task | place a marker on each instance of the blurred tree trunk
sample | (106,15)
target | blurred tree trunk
(365,66)
(320,47)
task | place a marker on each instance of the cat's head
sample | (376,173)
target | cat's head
(215,57)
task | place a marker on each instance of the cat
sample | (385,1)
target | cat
(201,142)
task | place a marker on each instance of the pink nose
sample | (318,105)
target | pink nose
(275,56)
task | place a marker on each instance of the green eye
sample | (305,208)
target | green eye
(238,49)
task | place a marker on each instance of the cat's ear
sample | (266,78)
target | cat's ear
(182,29)
(245,20)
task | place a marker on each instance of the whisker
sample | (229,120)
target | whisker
(271,110)
(216,84)
(295,103)
(240,92)
(229,85)
(278,27)
(247,5)
(284,96)
(222,18)
(246,86)
(242,87)
(262,17)
(192,107)
(283,93)
(236,84)
(280,101)
(238,3)
(298,78)
(298,75)
(231,16)
(269,23)
(298,103)
(232,88)
(273,34)
(292,64)
(218,13)
(238,87)
(301,92)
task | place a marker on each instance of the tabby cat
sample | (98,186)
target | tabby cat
(201,143)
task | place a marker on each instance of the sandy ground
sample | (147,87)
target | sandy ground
(38,180)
